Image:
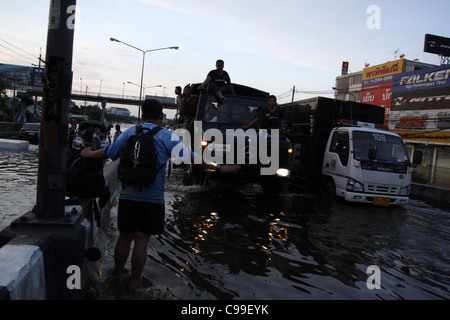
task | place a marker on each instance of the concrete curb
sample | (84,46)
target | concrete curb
(440,196)
(34,257)
(22,272)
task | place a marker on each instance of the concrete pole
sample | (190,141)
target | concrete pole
(51,184)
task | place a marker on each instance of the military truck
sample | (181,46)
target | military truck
(215,131)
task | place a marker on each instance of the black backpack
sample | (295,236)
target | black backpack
(138,159)
(84,176)
(85,180)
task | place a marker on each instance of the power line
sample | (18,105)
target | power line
(15,57)
(15,53)
(18,48)
(289,93)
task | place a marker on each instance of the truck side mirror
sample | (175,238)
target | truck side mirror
(417,157)
(372,152)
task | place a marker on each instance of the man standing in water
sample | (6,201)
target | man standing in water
(141,211)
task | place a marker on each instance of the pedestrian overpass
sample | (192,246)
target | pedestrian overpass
(103,98)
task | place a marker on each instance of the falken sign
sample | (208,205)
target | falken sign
(426,79)
(420,105)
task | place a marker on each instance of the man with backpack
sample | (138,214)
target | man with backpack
(141,211)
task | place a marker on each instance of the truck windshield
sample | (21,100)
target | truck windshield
(235,110)
(388,148)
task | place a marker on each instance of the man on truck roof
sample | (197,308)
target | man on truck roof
(218,81)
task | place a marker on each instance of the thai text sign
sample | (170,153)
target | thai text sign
(385,69)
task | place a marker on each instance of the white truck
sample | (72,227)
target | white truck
(342,149)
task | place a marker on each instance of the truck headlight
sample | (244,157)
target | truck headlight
(405,191)
(353,185)
(283,172)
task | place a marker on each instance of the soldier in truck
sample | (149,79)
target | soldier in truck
(271,117)
(218,81)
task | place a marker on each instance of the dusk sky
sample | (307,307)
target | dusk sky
(269,45)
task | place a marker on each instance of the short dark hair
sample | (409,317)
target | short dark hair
(220,61)
(151,108)
(272,96)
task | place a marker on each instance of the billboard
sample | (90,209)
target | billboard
(21,77)
(385,69)
(376,87)
(344,68)
(420,105)
(437,45)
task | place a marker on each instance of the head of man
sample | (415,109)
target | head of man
(272,101)
(152,110)
(219,65)
(187,91)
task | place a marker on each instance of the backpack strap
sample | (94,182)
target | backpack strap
(153,131)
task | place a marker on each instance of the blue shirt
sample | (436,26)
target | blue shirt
(165,142)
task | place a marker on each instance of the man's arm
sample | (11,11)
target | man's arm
(97,154)
(281,123)
(232,88)
(229,83)
(207,80)
(254,120)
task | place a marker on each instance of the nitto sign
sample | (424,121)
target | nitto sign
(401,101)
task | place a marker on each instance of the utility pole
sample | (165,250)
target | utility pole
(57,84)
(293,93)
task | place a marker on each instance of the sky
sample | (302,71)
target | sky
(270,45)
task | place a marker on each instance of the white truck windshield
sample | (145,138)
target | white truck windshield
(388,148)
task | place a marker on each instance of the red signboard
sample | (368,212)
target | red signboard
(379,94)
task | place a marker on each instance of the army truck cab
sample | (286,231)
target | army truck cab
(215,131)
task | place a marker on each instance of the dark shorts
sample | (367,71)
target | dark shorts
(214,88)
(145,217)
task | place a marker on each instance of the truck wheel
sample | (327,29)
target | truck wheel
(200,177)
(273,185)
(267,185)
(328,191)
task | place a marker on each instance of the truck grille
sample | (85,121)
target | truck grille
(384,189)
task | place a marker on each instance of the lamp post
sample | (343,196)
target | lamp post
(143,62)
(144,87)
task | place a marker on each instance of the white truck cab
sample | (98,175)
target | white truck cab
(368,165)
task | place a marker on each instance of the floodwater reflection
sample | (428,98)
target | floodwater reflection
(236,243)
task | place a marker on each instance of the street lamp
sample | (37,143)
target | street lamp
(143,61)
(144,87)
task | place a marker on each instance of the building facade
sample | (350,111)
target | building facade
(416,98)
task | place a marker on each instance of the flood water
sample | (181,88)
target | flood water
(230,241)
